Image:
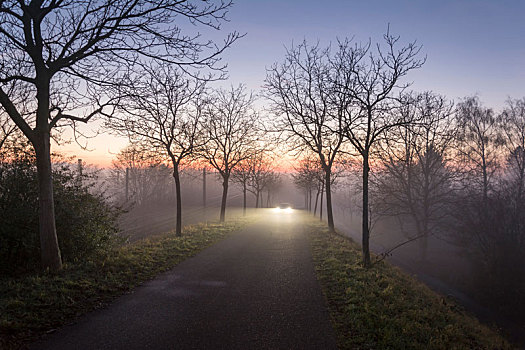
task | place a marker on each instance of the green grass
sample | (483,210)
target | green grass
(384,308)
(33,305)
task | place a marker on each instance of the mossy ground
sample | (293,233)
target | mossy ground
(35,304)
(384,308)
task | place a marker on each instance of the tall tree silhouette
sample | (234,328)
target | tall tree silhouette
(308,108)
(61,55)
(372,81)
(164,112)
(230,126)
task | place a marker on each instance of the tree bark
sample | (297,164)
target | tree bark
(50,251)
(321,204)
(485,180)
(49,247)
(178,226)
(329,212)
(365,227)
(224,197)
(316,200)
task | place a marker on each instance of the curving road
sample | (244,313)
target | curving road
(254,290)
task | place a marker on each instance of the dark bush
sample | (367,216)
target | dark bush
(86,223)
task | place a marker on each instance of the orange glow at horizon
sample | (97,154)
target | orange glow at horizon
(102,150)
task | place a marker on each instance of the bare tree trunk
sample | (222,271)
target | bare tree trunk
(316,200)
(224,197)
(365,227)
(49,248)
(521,176)
(329,212)
(321,204)
(485,181)
(306,200)
(244,199)
(178,226)
(204,187)
(257,199)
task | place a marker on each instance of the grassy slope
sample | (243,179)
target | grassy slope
(383,308)
(36,304)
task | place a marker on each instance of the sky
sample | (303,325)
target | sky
(472,46)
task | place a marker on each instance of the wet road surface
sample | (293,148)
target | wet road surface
(254,290)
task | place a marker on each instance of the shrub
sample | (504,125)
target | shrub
(86,224)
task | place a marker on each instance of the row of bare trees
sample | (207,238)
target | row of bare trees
(256,175)
(333,106)
(61,62)
(458,175)
(175,116)
(459,157)
(334,102)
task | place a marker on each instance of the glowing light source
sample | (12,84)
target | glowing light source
(283,208)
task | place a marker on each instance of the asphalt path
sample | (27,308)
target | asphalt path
(254,290)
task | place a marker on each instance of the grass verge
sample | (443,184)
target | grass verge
(384,308)
(37,304)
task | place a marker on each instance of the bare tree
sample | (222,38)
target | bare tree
(308,177)
(512,126)
(139,170)
(310,113)
(273,182)
(7,128)
(372,82)
(242,175)
(164,113)
(261,176)
(415,182)
(255,175)
(230,127)
(478,146)
(58,55)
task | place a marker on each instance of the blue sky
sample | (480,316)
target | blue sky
(472,47)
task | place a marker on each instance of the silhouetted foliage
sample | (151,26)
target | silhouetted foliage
(86,224)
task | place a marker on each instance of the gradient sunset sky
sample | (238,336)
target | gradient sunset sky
(472,46)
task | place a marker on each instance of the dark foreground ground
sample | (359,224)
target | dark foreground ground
(254,290)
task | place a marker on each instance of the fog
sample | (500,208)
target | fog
(447,268)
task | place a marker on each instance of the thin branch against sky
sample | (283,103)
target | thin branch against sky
(460,38)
